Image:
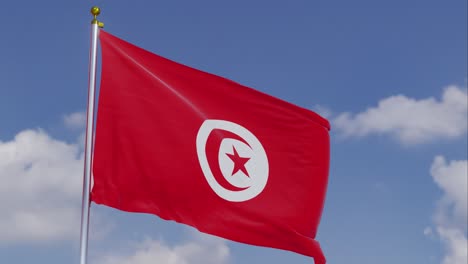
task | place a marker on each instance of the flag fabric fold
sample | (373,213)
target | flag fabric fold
(205,151)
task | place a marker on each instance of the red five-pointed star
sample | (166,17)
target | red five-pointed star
(239,162)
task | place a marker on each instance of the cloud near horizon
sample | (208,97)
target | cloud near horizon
(411,121)
(203,249)
(41,188)
(450,216)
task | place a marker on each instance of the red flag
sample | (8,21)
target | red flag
(202,150)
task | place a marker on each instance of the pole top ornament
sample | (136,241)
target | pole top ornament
(95,11)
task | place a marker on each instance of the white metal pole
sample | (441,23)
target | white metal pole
(89,138)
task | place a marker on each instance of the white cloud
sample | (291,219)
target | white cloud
(451,213)
(202,250)
(41,181)
(410,120)
(428,232)
(323,111)
(75,120)
(452,178)
(456,245)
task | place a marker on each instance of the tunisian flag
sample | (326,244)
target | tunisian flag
(202,150)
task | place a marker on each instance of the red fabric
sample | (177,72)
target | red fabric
(150,112)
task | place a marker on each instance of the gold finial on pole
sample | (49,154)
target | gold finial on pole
(95,11)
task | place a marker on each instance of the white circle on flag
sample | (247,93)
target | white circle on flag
(242,161)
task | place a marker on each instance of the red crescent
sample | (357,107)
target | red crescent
(213,144)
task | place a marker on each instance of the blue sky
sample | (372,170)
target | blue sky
(391,76)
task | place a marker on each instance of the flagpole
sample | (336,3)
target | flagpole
(95,24)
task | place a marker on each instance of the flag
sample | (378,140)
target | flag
(202,150)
